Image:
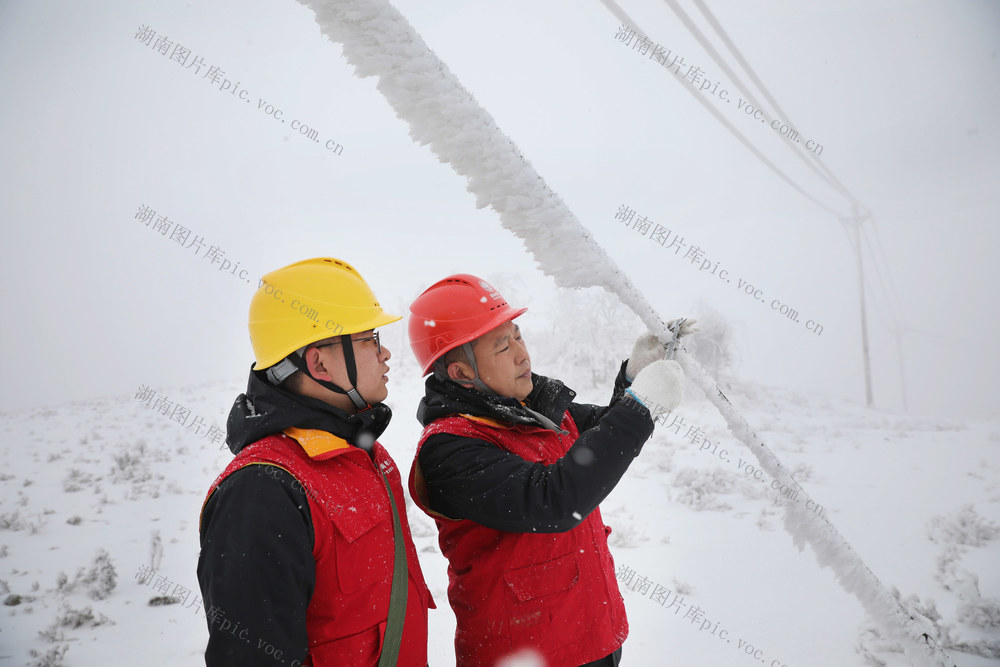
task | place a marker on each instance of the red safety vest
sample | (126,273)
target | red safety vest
(353,547)
(555,593)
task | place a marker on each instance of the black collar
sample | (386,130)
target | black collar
(549,397)
(266,409)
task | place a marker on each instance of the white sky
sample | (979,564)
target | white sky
(903,96)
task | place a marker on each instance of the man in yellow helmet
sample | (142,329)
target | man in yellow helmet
(306,554)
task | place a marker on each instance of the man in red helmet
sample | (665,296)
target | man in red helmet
(512,470)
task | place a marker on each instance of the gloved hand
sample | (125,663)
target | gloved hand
(648,348)
(687,328)
(659,387)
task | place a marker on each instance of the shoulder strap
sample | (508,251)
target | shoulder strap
(397,600)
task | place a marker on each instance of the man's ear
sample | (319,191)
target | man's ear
(314,362)
(461,372)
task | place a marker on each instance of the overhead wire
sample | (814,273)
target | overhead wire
(795,147)
(619,13)
(724,36)
(861,212)
(881,284)
(885,261)
(884,281)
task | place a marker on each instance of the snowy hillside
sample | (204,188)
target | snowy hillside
(99,529)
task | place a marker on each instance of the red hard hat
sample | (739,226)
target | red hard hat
(454,311)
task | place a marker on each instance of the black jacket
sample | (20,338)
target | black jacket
(473,479)
(256,569)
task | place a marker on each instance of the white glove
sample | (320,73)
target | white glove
(648,348)
(659,387)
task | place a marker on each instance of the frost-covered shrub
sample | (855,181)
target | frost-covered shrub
(76,480)
(963,527)
(10,520)
(75,618)
(52,634)
(588,334)
(130,465)
(700,489)
(101,578)
(949,572)
(714,346)
(14,521)
(802,472)
(99,581)
(660,455)
(51,658)
(161,600)
(766,512)
(626,535)
(982,613)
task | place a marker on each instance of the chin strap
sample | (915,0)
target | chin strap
(282,371)
(352,375)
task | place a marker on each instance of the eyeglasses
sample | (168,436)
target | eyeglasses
(374,337)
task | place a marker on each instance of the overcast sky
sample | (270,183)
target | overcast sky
(96,124)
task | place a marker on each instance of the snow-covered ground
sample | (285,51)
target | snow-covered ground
(100,503)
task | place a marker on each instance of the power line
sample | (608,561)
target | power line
(886,285)
(724,36)
(885,261)
(625,19)
(887,293)
(721,62)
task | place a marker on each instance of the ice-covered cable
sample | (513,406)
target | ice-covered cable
(829,546)
(378,41)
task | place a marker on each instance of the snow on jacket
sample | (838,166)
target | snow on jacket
(516,508)
(297,539)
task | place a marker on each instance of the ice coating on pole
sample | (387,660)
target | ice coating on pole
(378,41)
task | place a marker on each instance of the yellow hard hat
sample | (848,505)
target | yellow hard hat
(309,301)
